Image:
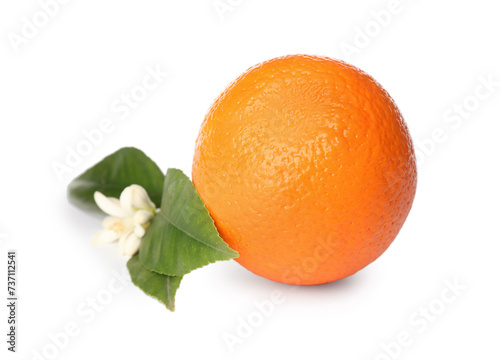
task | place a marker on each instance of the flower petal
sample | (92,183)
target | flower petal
(122,240)
(140,198)
(109,221)
(128,244)
(133,245)
(109,205)
(126,200)
(104,237)
(139,231)
(142,217)
(118,225)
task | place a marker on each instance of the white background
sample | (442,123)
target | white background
(430,56)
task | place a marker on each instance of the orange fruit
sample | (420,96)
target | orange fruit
(307,168)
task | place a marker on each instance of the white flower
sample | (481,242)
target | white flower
(129,218)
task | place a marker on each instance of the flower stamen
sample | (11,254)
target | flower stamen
(130,216)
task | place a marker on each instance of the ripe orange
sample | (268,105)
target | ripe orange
(307,168)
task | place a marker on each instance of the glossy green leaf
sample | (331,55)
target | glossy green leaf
(114,173)
(162,287)
(182,236)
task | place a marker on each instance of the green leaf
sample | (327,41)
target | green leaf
(182,236)
(162,287)
(114,173)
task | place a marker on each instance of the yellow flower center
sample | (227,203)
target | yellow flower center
(118,227)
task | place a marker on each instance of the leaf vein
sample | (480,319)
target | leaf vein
(225,251)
